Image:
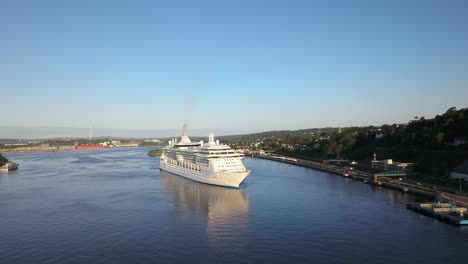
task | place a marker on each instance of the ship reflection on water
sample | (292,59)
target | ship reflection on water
(223,211)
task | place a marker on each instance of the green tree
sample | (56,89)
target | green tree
(451,110)
(338,150)
(348,141)
(3,160)
(330,149)
(440,137)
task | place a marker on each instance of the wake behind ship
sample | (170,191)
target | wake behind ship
(211,162)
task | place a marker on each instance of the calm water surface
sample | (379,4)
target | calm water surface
(115,206)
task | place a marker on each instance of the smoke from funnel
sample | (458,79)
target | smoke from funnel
(189,92)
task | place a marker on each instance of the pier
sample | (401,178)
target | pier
(372,179)
(446,212)
(357,175)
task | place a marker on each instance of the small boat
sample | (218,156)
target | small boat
(366,181)
(9,166)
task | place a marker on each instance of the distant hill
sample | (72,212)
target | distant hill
(8,141)
(436,145)
(279,134)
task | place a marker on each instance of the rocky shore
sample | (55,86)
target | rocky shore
(36,149)
(6,165)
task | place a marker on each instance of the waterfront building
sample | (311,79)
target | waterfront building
(390,165)
(460,172)
(379,134)
(337,161)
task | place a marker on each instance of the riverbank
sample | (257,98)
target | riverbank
(6,165)
(36,149)
(155,152)
(51,149)
(369,178)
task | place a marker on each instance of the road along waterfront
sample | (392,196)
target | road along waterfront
(368,177)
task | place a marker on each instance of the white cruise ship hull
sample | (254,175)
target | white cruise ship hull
(230,179)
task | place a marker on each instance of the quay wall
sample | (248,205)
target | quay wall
(361,175)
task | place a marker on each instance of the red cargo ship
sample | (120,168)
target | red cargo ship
(89,147)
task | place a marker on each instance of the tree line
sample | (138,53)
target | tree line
(435,144)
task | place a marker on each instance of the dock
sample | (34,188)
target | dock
(369,178)
(446,212)
(357,175)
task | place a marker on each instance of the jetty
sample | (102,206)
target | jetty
(447,212)
(357,175)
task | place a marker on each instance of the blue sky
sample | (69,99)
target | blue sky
(230,66)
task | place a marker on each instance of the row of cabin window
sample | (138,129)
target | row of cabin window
(187,166)
(230,166)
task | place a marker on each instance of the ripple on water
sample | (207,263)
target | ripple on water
(115,206)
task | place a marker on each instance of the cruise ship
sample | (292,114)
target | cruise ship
(210,162)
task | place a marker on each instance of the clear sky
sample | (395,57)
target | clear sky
(229,65)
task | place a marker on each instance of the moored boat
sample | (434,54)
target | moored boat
(78,147)
(9,166)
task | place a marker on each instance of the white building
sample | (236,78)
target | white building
(390,165)
(460,172)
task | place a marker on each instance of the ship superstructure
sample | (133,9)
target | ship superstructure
(211,162)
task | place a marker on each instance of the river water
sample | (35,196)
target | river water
(115,206)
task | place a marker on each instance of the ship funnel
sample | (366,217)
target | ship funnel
(211,138)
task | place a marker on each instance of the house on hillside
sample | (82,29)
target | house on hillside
(460,172)
(379,134)
(457,142)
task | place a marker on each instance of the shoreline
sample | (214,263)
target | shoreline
(36,149)
(360,175)
(51,149)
